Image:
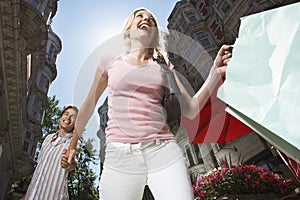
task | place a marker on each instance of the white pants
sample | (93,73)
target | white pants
(158,164)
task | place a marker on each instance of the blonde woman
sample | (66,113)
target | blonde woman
(140,149)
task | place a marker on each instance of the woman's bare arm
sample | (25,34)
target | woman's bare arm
(196,103)
(86,110)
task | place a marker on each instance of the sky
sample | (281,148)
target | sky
(83,26)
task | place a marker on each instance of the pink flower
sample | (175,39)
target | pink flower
(248,176)
(202,194)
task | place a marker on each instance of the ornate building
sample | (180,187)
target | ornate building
(28,51)
(102,111)
(212,23)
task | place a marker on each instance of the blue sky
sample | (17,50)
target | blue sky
(82,26)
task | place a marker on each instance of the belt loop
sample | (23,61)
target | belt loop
(157,142)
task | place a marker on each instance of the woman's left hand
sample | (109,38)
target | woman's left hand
(222,59)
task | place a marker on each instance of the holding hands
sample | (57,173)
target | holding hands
(217,72)
(68,160)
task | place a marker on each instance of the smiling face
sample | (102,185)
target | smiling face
(67,120)
(142,25)
(143,21)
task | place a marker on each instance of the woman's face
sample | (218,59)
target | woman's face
(143,26)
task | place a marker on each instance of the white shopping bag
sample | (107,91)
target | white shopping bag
(262,83)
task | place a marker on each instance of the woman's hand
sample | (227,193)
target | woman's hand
(68,160)
(221,61)
(217,72)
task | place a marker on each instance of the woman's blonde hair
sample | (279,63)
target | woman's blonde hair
(157,46)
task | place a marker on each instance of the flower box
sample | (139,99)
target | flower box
(242,182)
(268,196)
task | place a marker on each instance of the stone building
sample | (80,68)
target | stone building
(28,51)
(102,111)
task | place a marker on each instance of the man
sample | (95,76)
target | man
(50,178)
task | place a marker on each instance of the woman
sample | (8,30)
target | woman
(141,150)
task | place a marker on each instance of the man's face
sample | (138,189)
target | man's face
(67,120)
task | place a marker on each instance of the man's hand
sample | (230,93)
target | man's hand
(68,160)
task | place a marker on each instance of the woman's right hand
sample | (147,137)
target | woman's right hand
(71,153)
(71,156)
(68,160)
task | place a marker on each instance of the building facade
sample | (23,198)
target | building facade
(28,51)
(102,111)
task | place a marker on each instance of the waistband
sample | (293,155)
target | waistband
(141,145)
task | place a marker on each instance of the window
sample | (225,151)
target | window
(52,52)
(25,146)
(37,109)
(225,7)
(201,37)
(198,154)
(32,150)
(217,2)
(199,80)
(221,146)
(191,16)
(205,42)
(192,19)
(190,157)
(35,3)
(1,150)
(200,34)
(28,135)
(28,65)
(43,83)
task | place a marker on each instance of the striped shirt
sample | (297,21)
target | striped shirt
(50,180)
